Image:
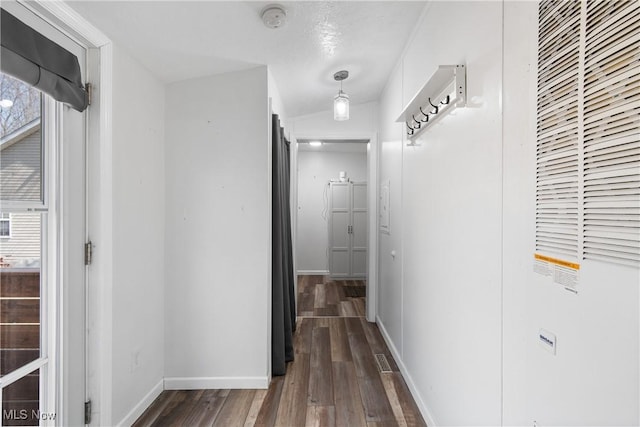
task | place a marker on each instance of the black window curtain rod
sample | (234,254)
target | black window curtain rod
(31,57)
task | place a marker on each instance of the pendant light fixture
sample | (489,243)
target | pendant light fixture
(341,100)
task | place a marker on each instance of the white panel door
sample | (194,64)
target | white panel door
(339,223)
(359,230)
(348,230)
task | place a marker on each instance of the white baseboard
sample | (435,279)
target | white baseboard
(142,406)
(313,272)
(197,383)
(426,414)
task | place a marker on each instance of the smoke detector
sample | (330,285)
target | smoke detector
(274,16)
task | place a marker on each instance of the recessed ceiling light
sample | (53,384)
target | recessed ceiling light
(6,103)
(315,143)
(274,16)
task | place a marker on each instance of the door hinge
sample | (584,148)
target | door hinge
(88,252)
(89,88)
(87,412)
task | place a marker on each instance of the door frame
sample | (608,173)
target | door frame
(99,65)
(373,192)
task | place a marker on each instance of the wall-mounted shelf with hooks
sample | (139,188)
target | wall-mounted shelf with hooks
(444,91)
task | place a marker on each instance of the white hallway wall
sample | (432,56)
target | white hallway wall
(315,169)
(218,232)
(389,310)
(138,233)
(141,267)
(451,222)
(462,305)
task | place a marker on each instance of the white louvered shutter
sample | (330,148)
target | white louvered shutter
(588,145)
(557,173)
(612,132)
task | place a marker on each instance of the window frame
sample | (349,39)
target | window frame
(7,219)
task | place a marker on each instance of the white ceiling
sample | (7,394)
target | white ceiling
(179,40)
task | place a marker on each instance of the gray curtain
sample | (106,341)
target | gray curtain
(31,57)
(283,297)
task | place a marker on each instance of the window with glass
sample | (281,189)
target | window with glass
(22,288)
(5,225)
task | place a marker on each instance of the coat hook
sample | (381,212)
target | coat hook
(445,101)
(434,106)
(417,121)
(410,131)
(426,115)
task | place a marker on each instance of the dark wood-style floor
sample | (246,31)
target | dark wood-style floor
(334,380)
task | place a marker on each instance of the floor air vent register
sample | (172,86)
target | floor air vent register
(383,363)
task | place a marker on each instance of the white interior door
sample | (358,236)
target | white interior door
(359,230)
(339,222)
(348,230)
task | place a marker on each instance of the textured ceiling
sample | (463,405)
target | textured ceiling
(178,40)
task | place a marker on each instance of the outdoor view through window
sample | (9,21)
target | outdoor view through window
(21,189)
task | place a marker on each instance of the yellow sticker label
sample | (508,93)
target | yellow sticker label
(557,261)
